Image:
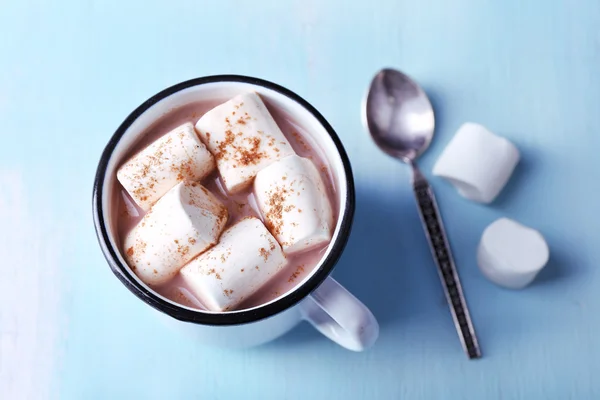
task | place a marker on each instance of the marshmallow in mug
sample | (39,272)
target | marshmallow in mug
(245,258)
(176,156)
(511,254)
(293,201)
(244,138)
(477,162)
(186,221)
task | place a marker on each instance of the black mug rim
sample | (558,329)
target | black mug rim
(237,317)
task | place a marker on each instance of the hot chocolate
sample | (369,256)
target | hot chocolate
(242,156)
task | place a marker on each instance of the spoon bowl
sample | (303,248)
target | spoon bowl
(398,115)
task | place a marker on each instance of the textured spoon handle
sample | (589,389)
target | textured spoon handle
(432,223)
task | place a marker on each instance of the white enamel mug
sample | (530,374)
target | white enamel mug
(318,299)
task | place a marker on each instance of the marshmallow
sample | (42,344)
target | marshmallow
(179,155)
(477,162)
(511,254)
(131,209)
(244,138)
(245,258)
(181,295)
(182,224)
(293,201)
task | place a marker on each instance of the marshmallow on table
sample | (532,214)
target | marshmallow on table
(511,254)
(187,220)
(477,162)
(245,258)
(244,138)
(294,203)
(179,155)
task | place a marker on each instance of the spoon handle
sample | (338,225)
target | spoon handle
(434,229)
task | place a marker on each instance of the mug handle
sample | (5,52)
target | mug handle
(340,316)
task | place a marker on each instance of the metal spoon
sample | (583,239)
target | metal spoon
(399,116)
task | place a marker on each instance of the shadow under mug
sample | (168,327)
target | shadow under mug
(318,299)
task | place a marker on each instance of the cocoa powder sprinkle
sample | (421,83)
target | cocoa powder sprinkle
(296,274)
(264,253)
(276,205)
(183,250)
(246,151)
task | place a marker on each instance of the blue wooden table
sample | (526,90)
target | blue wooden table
(528,70)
